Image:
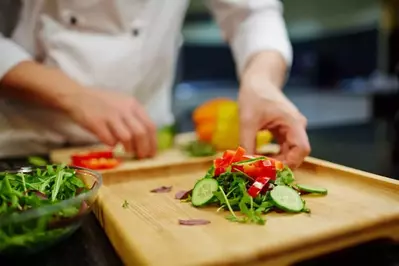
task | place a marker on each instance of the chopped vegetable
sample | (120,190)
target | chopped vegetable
(183,194)
(311,189)
(37,161)
(203,191)
(96,160)
(287,199)
(125,204)
(216,121)
(199,149)
(162,189)
(251,184)
(258,186)
(193,222)
(40,187)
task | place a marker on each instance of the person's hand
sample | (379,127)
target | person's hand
(115,118)
(263,106)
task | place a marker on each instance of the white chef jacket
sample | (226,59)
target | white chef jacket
(128,46)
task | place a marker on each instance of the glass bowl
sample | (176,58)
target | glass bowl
(30,231)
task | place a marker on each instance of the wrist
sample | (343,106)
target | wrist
(67,99)
(266,67)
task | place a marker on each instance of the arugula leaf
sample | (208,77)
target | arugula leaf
(125,204)
(199,149)
(285,177)
(57,185)
(37,161)
(265,207)
(29,190)
(226,201)
(210,173)
(249,212)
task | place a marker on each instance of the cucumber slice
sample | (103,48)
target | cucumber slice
(203,191)
(287,199)
(312,189)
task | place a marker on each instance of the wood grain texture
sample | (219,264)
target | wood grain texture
(359,207)
(167,157)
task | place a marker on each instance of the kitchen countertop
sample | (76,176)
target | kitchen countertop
(356,146)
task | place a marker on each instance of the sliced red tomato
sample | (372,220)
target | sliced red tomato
(257,186)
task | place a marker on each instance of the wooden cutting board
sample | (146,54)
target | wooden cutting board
(359,207)
(167,157)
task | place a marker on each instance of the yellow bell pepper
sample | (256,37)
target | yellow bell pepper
(217,122)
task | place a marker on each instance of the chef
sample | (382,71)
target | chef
(89,71)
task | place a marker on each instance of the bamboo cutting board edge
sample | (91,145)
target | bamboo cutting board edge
(380,230)
(172,156)
(389,230)
(308,252)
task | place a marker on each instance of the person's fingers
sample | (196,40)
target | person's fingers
(141,140)
(248,129)
(248,133)
(102,132)
(280,156)
(150,128)
(298,145)
(122,133)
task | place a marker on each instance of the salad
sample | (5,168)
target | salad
(249,186)
(32,190)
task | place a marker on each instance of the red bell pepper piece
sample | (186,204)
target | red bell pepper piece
(238,155)
(262,168)
(257,186)
(98,164)
(255,171)
(92,155)
(277,164)
(220,165)
(95,160)
(228,155)
(227,159)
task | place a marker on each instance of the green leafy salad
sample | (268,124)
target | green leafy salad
(25,222)
(248,186)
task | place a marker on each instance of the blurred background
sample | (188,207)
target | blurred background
(343,79)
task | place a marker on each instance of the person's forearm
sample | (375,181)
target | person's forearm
(35,83)
(268,65)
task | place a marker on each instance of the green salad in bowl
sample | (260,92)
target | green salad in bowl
(40,206)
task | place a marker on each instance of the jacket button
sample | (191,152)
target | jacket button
(135,32)
(73,20)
